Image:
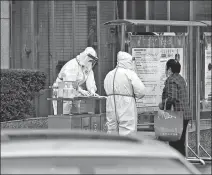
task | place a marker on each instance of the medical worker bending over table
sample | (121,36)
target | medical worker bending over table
(122,85)
(74,73)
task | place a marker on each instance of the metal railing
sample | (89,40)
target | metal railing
(204,124)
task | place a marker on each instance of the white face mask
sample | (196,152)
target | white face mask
(89,66)
(134,66)
(168,73)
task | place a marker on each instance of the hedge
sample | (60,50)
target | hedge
(18,88)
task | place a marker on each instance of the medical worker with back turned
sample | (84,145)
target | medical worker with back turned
(122,85)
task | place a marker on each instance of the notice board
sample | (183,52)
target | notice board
(208,66)
(151,54)
(206,77)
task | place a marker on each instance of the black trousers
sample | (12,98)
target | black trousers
(180,144)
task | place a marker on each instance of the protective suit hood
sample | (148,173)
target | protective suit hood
(87,57)
(124,60)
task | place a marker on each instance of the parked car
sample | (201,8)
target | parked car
(86,152)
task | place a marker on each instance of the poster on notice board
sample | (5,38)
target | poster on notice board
(206,102)
(208,72)
(150,67)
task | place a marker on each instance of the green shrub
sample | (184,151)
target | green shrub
(18,88)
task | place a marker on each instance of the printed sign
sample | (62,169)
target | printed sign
(208,72)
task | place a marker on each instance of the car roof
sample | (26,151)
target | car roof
(19,143)
(22,143)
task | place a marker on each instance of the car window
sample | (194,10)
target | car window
(93,165)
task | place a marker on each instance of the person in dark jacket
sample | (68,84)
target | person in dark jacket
(175,92)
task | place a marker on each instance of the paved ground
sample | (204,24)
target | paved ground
(204,124)
(204,169)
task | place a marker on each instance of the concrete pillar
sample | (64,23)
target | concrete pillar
(5,34)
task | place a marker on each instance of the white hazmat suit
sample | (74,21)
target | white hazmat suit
(122,115)
(77,70)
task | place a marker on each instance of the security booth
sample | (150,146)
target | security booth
(151,51)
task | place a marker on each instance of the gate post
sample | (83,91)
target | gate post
(5,34)
(123,27)
(198,90)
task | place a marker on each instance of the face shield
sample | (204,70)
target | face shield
(89,62)
(87,59)
(93,60)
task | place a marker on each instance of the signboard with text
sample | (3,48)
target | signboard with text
(151,54)
(208,67)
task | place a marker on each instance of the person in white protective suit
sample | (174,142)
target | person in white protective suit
(77,71)
(122,85)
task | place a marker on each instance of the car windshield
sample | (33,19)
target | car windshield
(92,165)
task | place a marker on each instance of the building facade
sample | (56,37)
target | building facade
(5,34)
(45,34)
